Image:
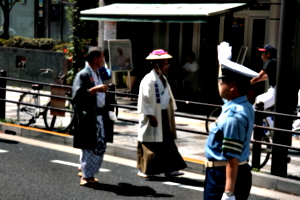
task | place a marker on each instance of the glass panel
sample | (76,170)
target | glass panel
(22,19)
(258,40)
(55,17)
(234,34)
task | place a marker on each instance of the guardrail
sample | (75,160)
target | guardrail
(257,130)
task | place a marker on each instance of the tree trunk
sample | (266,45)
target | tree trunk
(5,8)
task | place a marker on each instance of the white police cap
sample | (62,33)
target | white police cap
(230,68)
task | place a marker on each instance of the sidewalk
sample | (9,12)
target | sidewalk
(190,145)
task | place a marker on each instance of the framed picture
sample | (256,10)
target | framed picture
(120,56)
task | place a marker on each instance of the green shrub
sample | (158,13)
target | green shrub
(2,42)
(60,47)
(8,120)
(28,43)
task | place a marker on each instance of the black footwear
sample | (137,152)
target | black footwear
(174,173)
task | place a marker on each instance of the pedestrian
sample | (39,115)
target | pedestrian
(190,78)
(228,175)
(269,57)
(91,119)
(157,152)
(191,65)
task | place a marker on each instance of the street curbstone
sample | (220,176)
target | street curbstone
(291,186)
(264,180)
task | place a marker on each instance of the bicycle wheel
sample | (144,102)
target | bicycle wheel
(26,114)
(58,123)
(266,149)
(213,115)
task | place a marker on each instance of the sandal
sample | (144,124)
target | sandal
(89,183)
(80,175)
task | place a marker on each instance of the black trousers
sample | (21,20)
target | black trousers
(215,180)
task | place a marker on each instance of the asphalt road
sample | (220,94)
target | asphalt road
(32,169)
(33,172)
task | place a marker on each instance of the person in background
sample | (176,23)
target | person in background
(227,149)
(91,117)
(191,65)
(269,56)
(190,79)
(156,151)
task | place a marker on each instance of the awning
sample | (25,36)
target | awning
(158,12)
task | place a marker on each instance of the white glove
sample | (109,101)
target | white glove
(226,197)
(112,116)
(224,51)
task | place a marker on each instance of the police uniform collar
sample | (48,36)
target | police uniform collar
(234,102)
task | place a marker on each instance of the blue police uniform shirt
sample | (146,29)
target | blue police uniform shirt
(230,135)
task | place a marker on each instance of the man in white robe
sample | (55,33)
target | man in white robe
(157,151)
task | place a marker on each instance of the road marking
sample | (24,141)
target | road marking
(3,151)
(184,186)
(75,164)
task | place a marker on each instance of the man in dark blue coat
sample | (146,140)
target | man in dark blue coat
(91,116)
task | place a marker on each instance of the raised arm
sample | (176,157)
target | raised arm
(262,76)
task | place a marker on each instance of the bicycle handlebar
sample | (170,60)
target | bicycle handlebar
(45,71)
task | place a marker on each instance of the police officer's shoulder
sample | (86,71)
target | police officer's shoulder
(232,111)
(236,111)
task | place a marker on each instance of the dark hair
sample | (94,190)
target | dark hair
(92,53)
(273,53)
(154,63)
(192,55)
(243,83)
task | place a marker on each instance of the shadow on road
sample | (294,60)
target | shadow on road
(126,189)
(8,141)
(179,180)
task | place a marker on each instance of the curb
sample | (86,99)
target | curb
(261,180)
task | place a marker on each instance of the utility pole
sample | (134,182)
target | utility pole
(286,87)
(101,42)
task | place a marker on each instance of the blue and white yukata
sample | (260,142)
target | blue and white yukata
(229,137)
(90,162)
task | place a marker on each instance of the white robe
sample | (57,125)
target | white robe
(147,105)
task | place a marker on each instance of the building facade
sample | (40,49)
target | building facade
(39,19)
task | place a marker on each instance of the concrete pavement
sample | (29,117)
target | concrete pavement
(190,145)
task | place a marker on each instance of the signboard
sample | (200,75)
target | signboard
(120,58)
(110,30)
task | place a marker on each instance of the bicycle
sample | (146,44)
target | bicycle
(266,136)
(30,108)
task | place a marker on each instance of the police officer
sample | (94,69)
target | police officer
(228,175)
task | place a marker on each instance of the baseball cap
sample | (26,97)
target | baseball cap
(268,48)
(158,54)
(94,49)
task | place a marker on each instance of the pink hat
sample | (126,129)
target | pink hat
(158,54)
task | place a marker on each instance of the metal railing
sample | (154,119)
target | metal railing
(257,127)
(29,92)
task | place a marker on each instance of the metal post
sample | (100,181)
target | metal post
(109,123)
(286,90)
(256,147)
(101,29)
(2,94)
